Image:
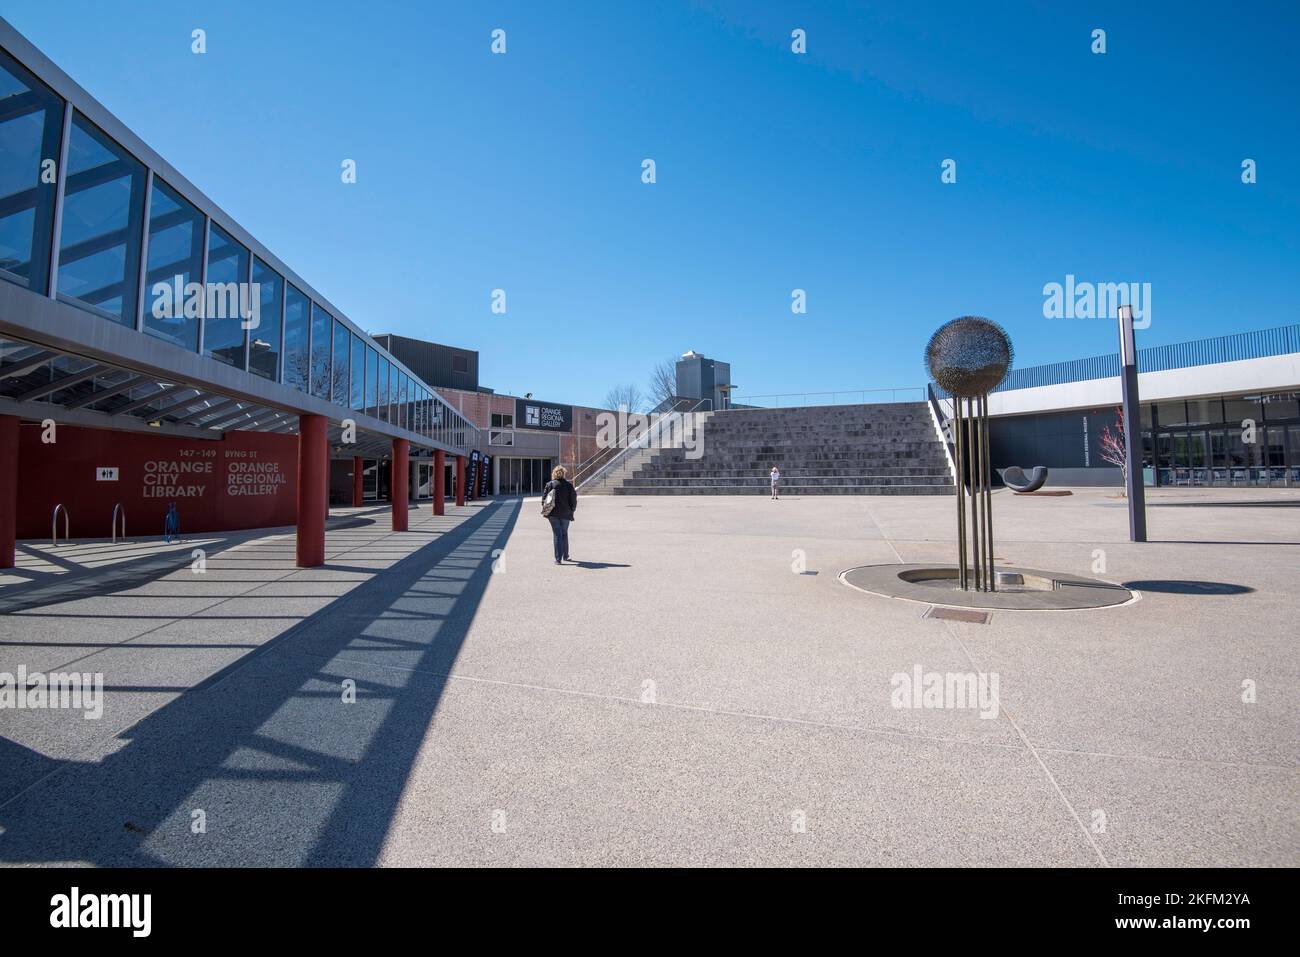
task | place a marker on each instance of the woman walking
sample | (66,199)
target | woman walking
(559,502)
(776,483)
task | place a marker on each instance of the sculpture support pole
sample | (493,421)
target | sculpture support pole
(991,575)
(973,462)
(961,492)
(981,576)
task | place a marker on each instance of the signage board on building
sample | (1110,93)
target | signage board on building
(548,416)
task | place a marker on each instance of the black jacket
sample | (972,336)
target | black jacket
(566,498)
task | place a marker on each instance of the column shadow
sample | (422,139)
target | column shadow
(284,770)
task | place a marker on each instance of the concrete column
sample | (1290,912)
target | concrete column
(358,492)
(460,480)
(313,489)
(401,482)
(439,482)
(8,488)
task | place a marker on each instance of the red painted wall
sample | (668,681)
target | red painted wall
(245,480)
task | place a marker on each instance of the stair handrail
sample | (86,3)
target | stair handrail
(54,526)
(605,454)
(640,442)
(940,424)
(118,510)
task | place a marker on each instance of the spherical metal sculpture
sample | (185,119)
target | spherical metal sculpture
(969,356)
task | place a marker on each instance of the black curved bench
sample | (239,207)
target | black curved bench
(1017,481)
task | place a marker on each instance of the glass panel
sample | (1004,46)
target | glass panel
(1171,413)
(320,352)
(1281,406)
(1204,411)
(372,381)
(1219,458)
(1196,448)
(383,390)
(1164,459)
(264,338)
(342,349)
(394,383)
(297,312)
(31,122)
(1241,408)
(175,261)
(225,309)
(103,213)
(1293,446)
(358,394)
(1275,456)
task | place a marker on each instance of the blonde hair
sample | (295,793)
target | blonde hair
(558,472)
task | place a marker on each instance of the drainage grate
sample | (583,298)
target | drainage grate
(969,615)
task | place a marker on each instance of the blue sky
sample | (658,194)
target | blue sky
(774,171)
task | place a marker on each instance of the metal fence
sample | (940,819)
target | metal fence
(1279,341)
(857,397)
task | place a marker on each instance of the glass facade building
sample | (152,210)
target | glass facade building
(91,222)
(1237,440)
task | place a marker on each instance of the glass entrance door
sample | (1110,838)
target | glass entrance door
(523,476)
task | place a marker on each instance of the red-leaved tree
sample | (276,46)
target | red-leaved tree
(1113,449)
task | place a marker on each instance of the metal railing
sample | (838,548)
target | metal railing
(1279,341)
(852,397)
(613,457)
(118,510)
(54,525)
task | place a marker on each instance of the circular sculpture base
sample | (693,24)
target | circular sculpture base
(1019,589)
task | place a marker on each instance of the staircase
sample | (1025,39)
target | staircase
(885,449)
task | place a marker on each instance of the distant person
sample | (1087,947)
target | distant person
(776,483)
(559,502)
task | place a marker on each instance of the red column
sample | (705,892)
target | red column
(439,484)
(313,488)
(401,477)
(460,480)
(8,488)
(358,493)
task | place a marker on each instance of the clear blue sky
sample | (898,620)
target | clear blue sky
(775,171)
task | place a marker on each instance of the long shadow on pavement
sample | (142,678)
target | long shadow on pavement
(268,762)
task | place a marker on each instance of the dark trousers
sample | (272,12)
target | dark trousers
(560,532)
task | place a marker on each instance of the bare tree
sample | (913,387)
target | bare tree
(625,395)
(663,381)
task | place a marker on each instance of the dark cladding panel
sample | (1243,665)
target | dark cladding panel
(442,367)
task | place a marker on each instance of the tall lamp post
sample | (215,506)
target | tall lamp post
(1137,501)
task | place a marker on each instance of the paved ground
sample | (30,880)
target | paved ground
(699,689)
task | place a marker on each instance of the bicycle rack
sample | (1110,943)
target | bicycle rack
(54,525)
(119,510)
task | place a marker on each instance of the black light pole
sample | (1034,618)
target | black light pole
(1137,501)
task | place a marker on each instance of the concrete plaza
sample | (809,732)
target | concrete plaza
(699,688)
